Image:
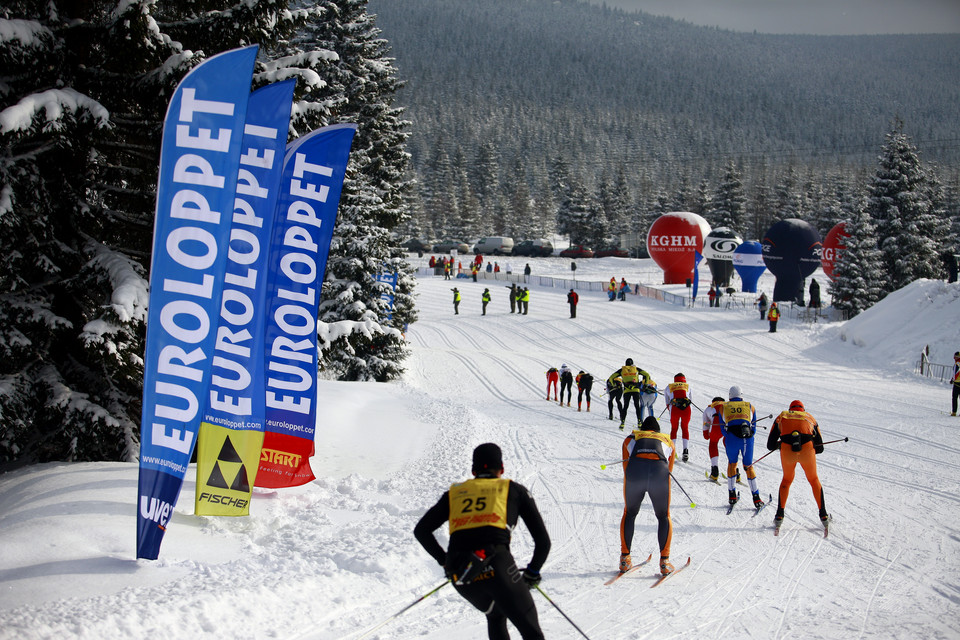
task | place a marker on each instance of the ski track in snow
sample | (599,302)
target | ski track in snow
(333,558)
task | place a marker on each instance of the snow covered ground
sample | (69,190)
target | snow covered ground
(332,559)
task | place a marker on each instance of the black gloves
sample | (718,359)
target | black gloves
(532,578)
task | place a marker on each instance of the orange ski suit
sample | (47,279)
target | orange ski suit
(799,439)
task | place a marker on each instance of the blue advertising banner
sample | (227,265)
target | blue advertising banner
(313,172)
(199,161)
(390,279)
(231,430)
(697,257)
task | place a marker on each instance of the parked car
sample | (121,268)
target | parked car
(494,245)
(415,244)
(611,252)
(577,251)
(446,246)
(534,248)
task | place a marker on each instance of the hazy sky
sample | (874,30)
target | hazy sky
(824,17)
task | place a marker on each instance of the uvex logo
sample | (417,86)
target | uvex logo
(156,510)
(673,241)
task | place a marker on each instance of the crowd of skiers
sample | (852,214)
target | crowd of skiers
(730,423)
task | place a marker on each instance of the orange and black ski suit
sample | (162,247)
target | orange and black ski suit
(648,460)
(798,436)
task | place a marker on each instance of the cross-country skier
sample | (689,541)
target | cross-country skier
(739,426)
(648,396)
(483,512)
(648,460)
(584,385)
(553,375)
(566,383)
(798,435)
(678,398)
(713,432)
(614,392)
(632,377)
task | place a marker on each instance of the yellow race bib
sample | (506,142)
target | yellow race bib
(480,502)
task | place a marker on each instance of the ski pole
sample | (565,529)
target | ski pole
(662,412)
(604,466)
(693,505)
(562,613)
(409,606)
(778,448)
(696,407)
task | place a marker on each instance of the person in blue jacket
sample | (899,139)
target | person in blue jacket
(739,424)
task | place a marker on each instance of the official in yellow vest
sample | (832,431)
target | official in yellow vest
(482,513)
(773,316)
(456,301)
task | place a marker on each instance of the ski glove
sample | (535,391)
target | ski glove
(532,578)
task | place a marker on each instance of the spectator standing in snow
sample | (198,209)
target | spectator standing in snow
(624,289)
(798,435)
(508,268)
(956,382)
(456,301)
(712,295)
(489,267)
(612,289)
(478,560)
(485,299)
(773,316)
(648,461)
(614,392)
(814,294)
(678,398)
(739,424)
(584,385)
(526,270)
(513,297)
(572,300)
(525,300)
(762,303)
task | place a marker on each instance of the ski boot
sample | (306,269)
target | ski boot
(824,517)
(625,562)
(588,407)
(715,474)
(578,408)
(757,502)
(621,425)
(665,567)
(778,519)
(686,455)
(733,496)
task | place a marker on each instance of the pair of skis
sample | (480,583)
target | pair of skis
(756,510)
(641,564)
(826,527)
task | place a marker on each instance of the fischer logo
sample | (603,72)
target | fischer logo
(212,498)
(156,510)
(673,241)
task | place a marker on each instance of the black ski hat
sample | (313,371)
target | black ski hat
(487,458)
(650,424)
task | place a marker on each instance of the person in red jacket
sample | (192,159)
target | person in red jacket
(572,300)
(798,435)
(677,397)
